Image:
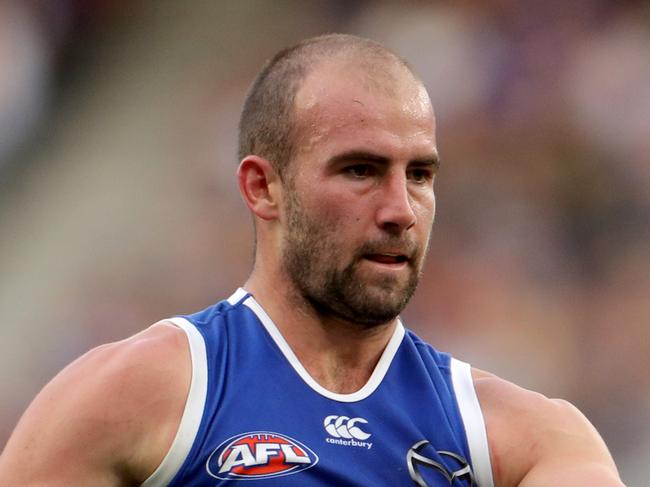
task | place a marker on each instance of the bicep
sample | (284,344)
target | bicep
(107,419)
(536,441)
(572,453)
(571,474)
(60,438)
(572,441)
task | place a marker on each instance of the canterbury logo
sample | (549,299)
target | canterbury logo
(345,427)
(415,459)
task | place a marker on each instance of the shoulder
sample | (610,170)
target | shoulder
(115,409)
(535,440)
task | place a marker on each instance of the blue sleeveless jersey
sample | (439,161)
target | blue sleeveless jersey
(254,415)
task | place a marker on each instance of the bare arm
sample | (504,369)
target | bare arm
(107,419)
(537,442)
(573,452)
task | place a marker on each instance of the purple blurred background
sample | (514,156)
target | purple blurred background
(118,203)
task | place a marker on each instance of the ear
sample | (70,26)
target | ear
(258,184)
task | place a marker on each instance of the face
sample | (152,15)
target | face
(359,201)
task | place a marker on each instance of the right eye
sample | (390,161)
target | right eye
(359,171)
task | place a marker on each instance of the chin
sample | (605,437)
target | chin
(377,305)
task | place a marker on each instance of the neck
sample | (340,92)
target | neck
(338,354)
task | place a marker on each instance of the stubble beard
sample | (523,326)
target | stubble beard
(310,257)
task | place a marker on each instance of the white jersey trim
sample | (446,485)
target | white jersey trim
(237,296)
(472,416)
(375,379)
(193,412)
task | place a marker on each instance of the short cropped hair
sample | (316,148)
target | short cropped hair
(267,126)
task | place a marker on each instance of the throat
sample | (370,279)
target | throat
(342,370)
(341,379)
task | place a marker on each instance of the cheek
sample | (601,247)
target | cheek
(425,209)
(333,210)
(339,224)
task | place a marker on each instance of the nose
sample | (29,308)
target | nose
(395,210)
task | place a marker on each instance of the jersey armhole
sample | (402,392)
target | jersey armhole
(472,417)
(193,412)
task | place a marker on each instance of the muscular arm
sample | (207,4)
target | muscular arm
(573,454)
(537,442)
(107,419)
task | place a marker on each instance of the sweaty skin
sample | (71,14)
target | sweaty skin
(107,419)
(364,173)
(535,441)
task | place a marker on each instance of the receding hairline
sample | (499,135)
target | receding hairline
(331,46)
(364,55)
(268,124)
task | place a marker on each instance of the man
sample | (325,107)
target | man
(306,376)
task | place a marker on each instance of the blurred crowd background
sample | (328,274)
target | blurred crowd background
(118,203)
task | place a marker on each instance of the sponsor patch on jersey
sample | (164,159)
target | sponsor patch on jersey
(347,431)
(259,455)
(427,465)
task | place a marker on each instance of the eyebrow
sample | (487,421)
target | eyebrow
(366,156)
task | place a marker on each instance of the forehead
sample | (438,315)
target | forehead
(343,104)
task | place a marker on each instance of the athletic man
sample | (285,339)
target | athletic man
(306,376)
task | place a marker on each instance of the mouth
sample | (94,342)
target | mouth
(387,258)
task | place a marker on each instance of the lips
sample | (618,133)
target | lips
(387,258)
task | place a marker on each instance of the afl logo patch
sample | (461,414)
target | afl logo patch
(259,455)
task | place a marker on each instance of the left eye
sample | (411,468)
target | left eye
(419,175)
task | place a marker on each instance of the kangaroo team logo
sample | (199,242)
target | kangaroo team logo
(417,462)
(259,455)
(347,431)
